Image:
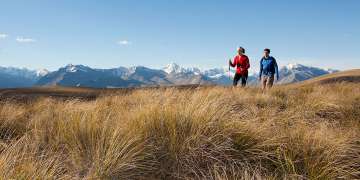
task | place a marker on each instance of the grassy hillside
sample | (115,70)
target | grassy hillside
(338,77)
(310,131)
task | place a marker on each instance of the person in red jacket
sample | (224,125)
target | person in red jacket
(242,64)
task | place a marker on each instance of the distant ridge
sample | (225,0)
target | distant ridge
(140,76)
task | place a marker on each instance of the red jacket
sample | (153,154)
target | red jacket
(242,64)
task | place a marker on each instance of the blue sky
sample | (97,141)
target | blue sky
(205,33)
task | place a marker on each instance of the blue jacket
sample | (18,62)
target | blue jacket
(269,67)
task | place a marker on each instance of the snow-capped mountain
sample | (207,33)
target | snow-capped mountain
(296,72)
(216,72)
(75,68)
(83,76)
(172,74)
(175,68)
(19,77)
(41,72)
(24,72)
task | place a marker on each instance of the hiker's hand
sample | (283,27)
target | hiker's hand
(260,78)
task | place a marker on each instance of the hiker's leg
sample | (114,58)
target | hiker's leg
(270,82)
(236,79)
(244,79)
(263,82)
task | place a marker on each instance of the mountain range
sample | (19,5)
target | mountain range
(11,77)
(139,76)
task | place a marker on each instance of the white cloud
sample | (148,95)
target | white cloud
(3,36)
(25,40)
(123,42)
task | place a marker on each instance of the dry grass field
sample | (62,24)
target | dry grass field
(306,131)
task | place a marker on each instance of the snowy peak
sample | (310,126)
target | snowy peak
(193,70)
(215,72)
(173,68)
(24,72)
(11,77)
(300,67)
(294,66)
(75,68)
(297,72)
(70,68)
(42,72)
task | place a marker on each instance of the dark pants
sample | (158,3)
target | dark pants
(243,78)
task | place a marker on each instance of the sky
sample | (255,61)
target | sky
(203,33)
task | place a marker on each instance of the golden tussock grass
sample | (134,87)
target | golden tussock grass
(308,132)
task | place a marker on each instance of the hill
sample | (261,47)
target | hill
(352,76)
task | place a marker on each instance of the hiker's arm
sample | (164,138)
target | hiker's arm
(261,69)
(232,64)
(248,63)
(276,69)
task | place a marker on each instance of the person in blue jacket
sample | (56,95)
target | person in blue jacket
(268,69)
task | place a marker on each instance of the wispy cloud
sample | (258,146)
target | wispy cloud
(123,42)
(3,36)
(25,40)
